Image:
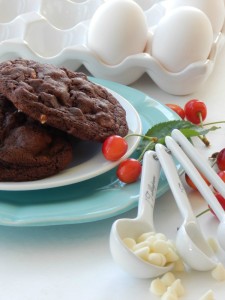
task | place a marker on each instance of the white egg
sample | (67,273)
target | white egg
(183,36)
(214,9)
(117,29)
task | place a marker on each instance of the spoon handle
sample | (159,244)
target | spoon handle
(203,166)
(199,161)
(194,174)
(148,187)
(175,183)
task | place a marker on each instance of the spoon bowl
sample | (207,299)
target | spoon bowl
(124,257)
(133,228)
(190,242)
(193,248)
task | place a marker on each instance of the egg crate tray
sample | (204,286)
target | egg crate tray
(55,32)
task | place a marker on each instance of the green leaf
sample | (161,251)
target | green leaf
(189,132)
(161,130)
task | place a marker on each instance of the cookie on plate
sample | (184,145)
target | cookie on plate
(29,150)
(62,99)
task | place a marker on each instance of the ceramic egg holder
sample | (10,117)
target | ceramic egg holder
(56,32)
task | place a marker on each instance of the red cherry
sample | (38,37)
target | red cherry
(179,110)
(193,109)
(221,175)
(129,170)
(220,160)
(221,201)
(191,183)
(114,147)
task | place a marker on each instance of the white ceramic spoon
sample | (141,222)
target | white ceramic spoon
(190,242)
(133,228)
(203,166)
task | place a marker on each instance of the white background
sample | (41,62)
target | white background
(74,262)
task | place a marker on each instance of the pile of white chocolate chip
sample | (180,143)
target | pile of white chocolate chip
(156,249)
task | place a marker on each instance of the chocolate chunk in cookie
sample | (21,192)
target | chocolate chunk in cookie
(62,99)
(28,150)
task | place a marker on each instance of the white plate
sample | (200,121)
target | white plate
(91,200)
(88,159)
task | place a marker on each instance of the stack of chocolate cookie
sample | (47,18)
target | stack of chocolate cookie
(40,107)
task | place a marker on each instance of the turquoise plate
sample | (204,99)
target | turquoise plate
(90,200)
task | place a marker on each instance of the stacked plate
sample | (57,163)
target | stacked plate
(88,190)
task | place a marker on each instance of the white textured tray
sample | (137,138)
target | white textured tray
(56,32)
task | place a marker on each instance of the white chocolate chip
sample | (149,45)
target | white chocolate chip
(157,287)
(168,287)
(151,239)
(171,255)
(153,247)
(43,118)
(179,266)
(208,296)
(177,287)
(157,259)
(129,242)
(142,253)
(141,245)
(144,236)
(213,244)
(160,246)
(219,272)
(169,295)
(168,278)
(161,236)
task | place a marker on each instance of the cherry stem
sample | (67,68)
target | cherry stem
(203,212)
(203,138)
(143,136)
(212,123)
(200,118)
(145,149)
(213,159)
(152,140)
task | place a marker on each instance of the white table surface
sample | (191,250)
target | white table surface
(73,261)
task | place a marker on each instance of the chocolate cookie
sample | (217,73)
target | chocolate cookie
(63,99)
(28,150)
